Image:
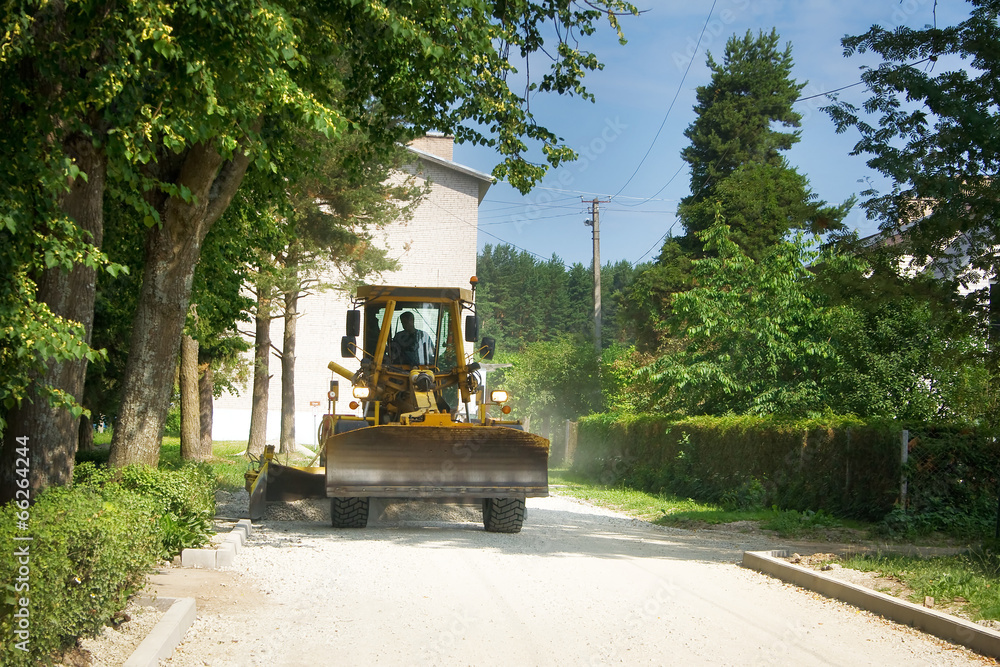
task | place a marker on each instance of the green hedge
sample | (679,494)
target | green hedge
(184,498)
(91,546)
(839,464)
(88,553)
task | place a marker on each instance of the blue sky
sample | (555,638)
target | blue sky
(634,92)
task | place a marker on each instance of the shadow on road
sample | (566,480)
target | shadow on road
(546,532)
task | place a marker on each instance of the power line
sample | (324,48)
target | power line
(653,247)
(547,217)
(680,87)
(513,245)
(669,181)
(591,194)
(856,83)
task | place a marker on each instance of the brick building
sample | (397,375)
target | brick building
(437,247)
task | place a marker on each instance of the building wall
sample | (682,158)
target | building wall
(437,247)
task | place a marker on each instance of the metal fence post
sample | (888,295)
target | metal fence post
(904,457)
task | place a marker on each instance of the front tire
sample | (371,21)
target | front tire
(503,515)
(349,512)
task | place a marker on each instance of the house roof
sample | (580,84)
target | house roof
(485,180)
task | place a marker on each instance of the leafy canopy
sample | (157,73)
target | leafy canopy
(930,126)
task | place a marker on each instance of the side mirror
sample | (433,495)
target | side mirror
(349,347)
(471,328)
(487,348)
(353,323)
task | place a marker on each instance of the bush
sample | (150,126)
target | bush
(840,464)
(184,499)
(90,550)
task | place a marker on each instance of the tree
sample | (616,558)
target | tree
(52,178)
(551,381)
(934,136)
(410,73)
(169,101)
(753,337)
(736,151)
(745,121)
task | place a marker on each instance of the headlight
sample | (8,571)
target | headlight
(361,392)
(499,396)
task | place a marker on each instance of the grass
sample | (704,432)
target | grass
(668,510)
(970,580)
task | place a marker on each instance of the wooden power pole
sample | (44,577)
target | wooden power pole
(595,222)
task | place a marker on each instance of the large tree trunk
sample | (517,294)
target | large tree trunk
(86,442)
(288,374)
(53,433)
(172,252)
(261,376)
(190,401)
(206,389)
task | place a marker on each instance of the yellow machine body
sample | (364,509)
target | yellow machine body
(411,442)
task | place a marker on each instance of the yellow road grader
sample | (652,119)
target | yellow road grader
(416,437)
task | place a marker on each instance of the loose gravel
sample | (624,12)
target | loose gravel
(424,584)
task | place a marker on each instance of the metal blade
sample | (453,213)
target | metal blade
(437,462)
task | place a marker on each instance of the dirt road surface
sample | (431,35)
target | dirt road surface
(425,585)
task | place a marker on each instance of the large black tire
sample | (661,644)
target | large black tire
(503,515)
(349,512)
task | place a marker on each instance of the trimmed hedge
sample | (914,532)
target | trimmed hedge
(840,464)
(90,549)
(89,552)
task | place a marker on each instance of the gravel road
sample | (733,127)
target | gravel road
(424,584)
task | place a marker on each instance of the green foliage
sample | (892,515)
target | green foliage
(735,151)
(973,576)
(150,86)
(737,173)
(522,299)
(551,380)
(842,465)
(755,340)
(622,389)
(953,474)
(183,499)
(90,551)
(793,523)
(929,127)
(226,467)
(908,356)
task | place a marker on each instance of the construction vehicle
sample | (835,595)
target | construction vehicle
(416,436)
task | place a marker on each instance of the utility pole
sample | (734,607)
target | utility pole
(595,222)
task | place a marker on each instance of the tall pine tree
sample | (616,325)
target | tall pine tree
(745,121)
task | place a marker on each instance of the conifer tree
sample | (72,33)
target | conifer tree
(745,121)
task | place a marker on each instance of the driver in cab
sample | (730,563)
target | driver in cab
(416,348)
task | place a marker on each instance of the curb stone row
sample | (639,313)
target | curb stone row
(933,622)
(222,556)
(180,612)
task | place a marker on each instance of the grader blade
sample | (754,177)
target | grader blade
(394,461)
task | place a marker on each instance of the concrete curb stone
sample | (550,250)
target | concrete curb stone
(180,612)
(223,553)
(167,634)
(933,622)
